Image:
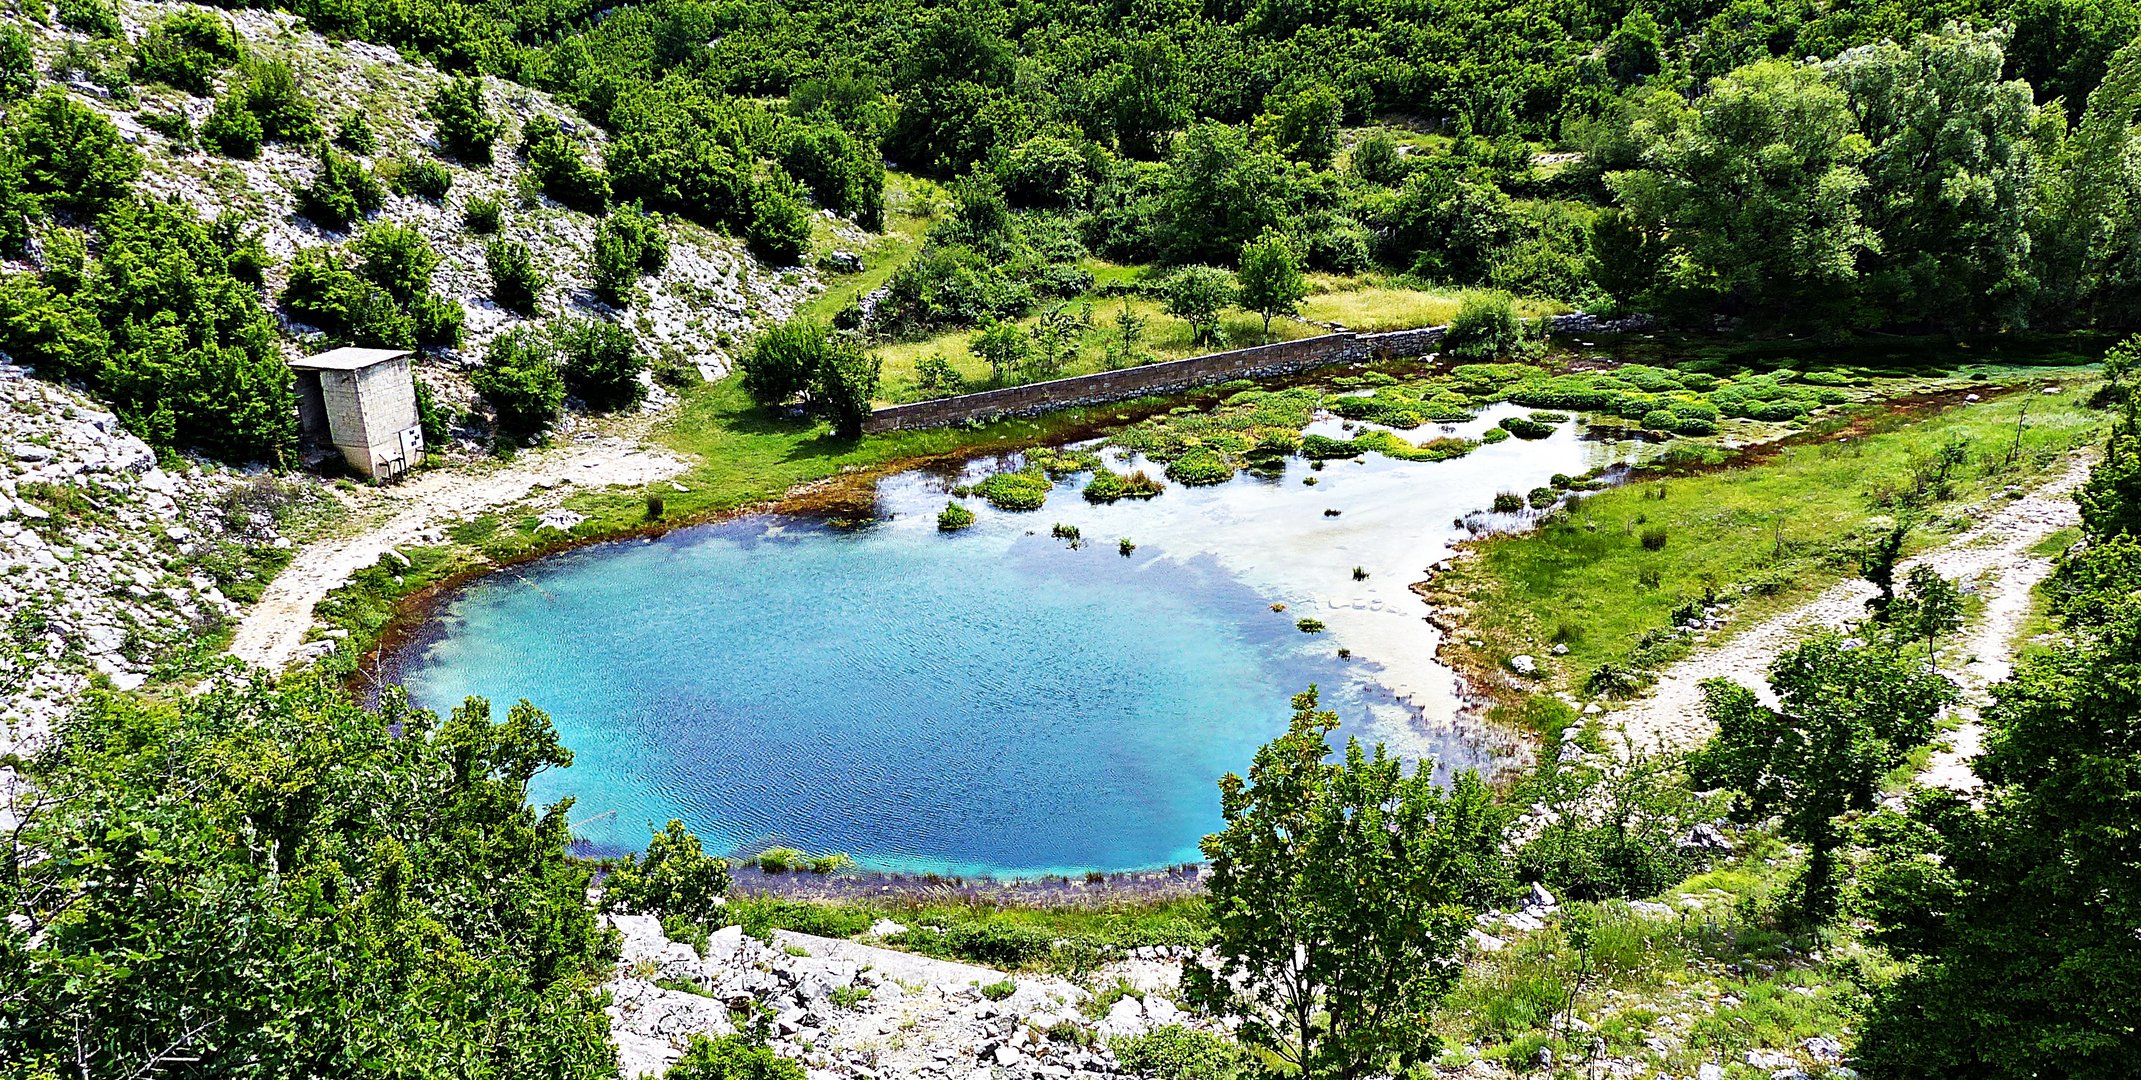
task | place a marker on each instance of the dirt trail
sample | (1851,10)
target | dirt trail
(1994,555)
(415,511)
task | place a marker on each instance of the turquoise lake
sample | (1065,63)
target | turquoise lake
(993,701)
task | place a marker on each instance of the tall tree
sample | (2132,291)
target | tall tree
(1271,278)
(1757,188)
(1952,177)
(1339,899)
(1849,713)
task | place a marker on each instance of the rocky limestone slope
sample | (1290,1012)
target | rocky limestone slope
(111,565)
(696,311)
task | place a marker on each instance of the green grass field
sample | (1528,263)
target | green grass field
(1763,536)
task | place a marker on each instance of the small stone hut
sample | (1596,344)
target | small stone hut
(361,402)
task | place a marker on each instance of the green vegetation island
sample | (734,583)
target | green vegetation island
(1720,419)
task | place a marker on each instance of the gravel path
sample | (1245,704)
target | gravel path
(415,511)
(1994,554)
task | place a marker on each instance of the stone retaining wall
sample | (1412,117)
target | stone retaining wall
(1174,376)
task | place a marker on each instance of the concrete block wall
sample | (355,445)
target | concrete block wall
(1174,376)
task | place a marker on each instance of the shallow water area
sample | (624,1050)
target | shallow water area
(996,700)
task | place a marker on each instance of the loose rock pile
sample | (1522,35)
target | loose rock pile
(847,1009)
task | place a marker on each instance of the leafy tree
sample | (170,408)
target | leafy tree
(843,174)
(783,361)
(516,283)
(955,100)
(1047,172)
(1929,608)
(2024,949)
(1850,713)
(268,879)
(1633,50)
(72,157)
(602,363)
(1759,187)
(1953,176)
(1196,295)
(1220,194)
(1147,96)
(1305,125)
(627,244)
(465,127)
(1006,348)
(845,384)
(521,380)
(677,878)
(1271,278)
(186,48)
(1622,259)
(1338,900)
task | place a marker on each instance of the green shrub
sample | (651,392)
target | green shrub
(1508,502)
(185,49)
(1199,467)
(515,282)
(417,177)
(521,381)
(232,129)
(1542,497)
(560,168)
(396,258)
(1174,1052)
(832,862)
(341,192)
(1486,327)
(1653,538)
(779,228)
(627,244)
(783,361)
(998,991)
(1309,626)
(173,126)
(71,156)
(602,363)
(18,64)
(954,517)
(465,127)
(354,134)
(1016,491)
(732,1057)
(97,18)
(676,879)
(481,215)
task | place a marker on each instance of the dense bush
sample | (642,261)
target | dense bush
(560,167)
(354,134)
(186,49)
(1486,327)
(419,177)
(97,18)
(464,125)
(516,283)
(482,215)
(731,1057)
(602,363)
(261,102)
(72,158)
(676,879)
(341,192)
(521,381)
(843,174)
(628,243)
(779,229)
(18,64)
(380,879)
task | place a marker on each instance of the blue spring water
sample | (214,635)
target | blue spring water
(993,701)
